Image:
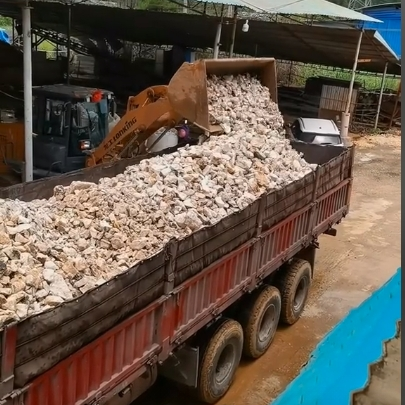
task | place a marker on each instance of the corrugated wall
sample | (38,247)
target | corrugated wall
(390,28)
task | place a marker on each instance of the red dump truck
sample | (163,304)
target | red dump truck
(189,312)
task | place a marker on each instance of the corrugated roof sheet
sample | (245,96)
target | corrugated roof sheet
(305,7)
(391,28)
(289,7)
(296,42)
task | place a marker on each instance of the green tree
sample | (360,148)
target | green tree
(5,22)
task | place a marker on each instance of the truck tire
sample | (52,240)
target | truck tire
(260,321)
(294,283)
(219,361)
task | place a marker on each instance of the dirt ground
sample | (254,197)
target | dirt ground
(364,254)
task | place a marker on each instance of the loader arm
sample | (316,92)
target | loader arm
(141,123)
(147,96)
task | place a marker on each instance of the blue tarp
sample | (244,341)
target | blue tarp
(339,366)
(4,36)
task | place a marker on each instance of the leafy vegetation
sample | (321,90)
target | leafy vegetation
(367,81)
(5,22)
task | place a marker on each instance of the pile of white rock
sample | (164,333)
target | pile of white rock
(57,249)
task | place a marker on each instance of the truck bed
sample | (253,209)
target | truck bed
(115,331)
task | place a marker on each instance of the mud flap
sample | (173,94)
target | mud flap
(182,366)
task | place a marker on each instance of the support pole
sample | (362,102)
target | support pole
(377,116)
(345,122)
(394,111)
(235,21)
(217,40)
(69,39)
(27,68)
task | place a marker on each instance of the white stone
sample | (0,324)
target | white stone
(48,274)
(59,288)
(18,229)
(52,300)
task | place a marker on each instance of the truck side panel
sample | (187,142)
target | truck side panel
(140,341)
(283,241)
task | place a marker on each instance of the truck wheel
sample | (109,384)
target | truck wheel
(219,362)
(260,321)
(294,283)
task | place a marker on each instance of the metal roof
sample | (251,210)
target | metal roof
(379,6)
(284,7)
(307,7)
(391,28)
(296,42)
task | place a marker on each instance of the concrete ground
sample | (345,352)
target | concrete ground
(349,267)
(384,386)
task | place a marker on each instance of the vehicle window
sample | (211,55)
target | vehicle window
(320,139)
(328,140)
(54,117)
(86,120)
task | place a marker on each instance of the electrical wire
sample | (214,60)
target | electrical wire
(9,95)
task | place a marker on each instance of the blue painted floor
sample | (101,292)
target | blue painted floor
(339,365)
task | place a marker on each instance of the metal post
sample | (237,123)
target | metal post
(356,58)
(235,21)
(394,111)
(69,26)
(345,122)
(217,40)
(377,117)
(27,69)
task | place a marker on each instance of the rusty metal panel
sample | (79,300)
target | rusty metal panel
(101,365)
(8,347)
(278,242)
(202,293)
(11,144)
(331,204)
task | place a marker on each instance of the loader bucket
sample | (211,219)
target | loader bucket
(187,93)
(187,90)
(264,68)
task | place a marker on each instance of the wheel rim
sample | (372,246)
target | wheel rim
(224,364)
(300,294)
(267,323)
